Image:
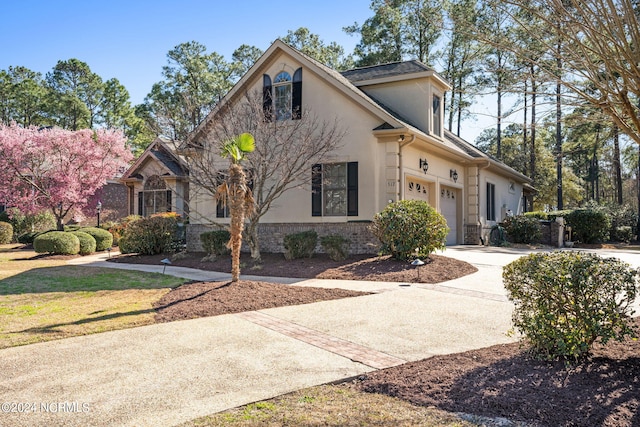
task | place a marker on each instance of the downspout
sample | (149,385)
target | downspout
(401,144)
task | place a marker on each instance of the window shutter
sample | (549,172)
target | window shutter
(296,95)
(140,197)
(316,190)
(168,200)
(267,98)
(352,189)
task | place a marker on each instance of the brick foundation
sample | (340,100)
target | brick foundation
(361,241)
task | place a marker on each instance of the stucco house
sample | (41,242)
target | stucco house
(396,147)
(157,182)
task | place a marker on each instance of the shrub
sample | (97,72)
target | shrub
(565,301)
(87,242)
(522,229)
(28,223)
(117,228)
(334,246)
(104,239)
(622,234)
(547,216)
(27,238)
(410,228)
(588,225)
(300,245)
(6,232)
(57,242)
(150,236)
(215,242)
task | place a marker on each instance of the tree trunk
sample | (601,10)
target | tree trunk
(253,242)
(237,190)
(616,163)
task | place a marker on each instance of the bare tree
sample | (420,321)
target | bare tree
(285,151)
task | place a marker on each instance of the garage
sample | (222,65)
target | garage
(449,209)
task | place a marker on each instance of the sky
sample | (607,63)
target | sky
(129,40)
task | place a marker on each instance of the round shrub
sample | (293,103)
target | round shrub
(410,228)
(565,301)
(57,242)
(334,246)
(6,232)
(104,239)
(300,245)
(87,242)
(215,242)
(522,229)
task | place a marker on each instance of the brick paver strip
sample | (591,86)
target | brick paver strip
(357,353)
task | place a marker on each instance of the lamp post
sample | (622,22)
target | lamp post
(98,209)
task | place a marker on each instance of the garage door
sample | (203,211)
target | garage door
(449,209)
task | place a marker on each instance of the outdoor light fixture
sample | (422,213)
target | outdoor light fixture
(417,263)
(453,174)
(424,165)
(109,252)
(165,262)
(98,209)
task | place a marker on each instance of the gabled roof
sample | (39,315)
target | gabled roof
(159,151)
(347,82)
(385,70)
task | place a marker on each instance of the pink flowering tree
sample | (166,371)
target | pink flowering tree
(56,169)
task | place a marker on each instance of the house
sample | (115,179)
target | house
(395,148)
(157,182)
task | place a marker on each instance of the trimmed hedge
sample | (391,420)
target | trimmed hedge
(57,242)
(87,242)
(6,232)
(104,239)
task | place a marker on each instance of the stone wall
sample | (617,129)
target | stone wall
(361,241)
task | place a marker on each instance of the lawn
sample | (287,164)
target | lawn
(43,299)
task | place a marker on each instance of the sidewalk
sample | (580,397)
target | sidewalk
(170,373)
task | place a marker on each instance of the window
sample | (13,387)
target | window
(155,197)
(282,99)
(436,115)
(334,189)
(491,202)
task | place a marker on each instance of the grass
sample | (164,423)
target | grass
(331,405)
(45,299)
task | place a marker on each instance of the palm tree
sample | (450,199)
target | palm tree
(236,193)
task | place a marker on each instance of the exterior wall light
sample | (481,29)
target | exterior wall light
(453,174)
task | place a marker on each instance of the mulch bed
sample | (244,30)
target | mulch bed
(202,299)
(505,381)
(356,267)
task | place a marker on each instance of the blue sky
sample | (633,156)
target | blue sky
(129,40)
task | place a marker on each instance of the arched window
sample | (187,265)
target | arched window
(155,197)
(282,98)
(282,95)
